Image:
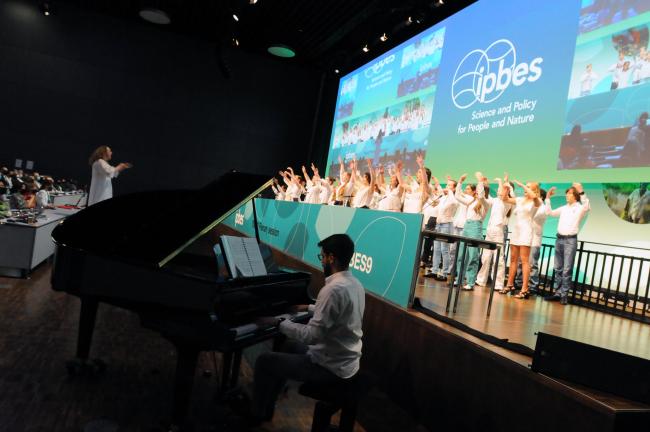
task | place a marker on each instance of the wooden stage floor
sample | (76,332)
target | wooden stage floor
(39,330)
(39,333)
(518,320)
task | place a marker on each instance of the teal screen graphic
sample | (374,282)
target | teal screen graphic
(385,243)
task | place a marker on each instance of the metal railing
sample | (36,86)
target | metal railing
(616,283)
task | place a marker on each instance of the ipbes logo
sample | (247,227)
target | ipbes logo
(484,75)
(239,218)
(376,68)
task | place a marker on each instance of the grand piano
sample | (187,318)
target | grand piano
(152,253)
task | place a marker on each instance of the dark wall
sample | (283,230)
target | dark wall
(73,81)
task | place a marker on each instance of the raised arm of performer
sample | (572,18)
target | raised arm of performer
(306,175)
(496,231)
(423,180)
(363,195)
(522,235)
(474,200)
(566,244)
(101,187)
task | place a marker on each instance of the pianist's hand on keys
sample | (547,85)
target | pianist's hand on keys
(267,323)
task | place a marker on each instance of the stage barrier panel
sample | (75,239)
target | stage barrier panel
(386,243)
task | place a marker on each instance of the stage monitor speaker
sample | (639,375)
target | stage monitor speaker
(598,368)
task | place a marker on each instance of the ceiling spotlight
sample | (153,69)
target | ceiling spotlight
(252,1)
(409,21)
(154,16)
(336,71)
(383,37)
(439,3)
(235,17)
(365,48)
(235,42)
(45,8)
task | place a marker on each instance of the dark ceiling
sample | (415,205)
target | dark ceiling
(325,34)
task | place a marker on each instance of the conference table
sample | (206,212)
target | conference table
(67,198)
(23,246)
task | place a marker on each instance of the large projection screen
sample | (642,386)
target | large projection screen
(550,92)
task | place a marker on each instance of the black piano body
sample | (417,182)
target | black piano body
(151,253)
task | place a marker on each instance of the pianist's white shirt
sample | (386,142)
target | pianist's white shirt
(100,185)
(334,333)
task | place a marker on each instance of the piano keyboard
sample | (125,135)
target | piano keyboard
(248,329)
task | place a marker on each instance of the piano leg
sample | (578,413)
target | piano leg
(80,366)
(236,364)
(183,381)
(86,327)
(226,367)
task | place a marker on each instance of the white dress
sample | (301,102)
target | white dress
(522,231)
(100,185)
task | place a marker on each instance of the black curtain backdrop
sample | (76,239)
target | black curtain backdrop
(75,80)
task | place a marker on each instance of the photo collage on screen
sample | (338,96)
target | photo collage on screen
(384,110)
(609,94)
(629,201)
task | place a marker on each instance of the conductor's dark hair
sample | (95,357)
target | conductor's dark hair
(341,246)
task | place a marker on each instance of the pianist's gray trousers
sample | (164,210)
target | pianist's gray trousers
(273,369)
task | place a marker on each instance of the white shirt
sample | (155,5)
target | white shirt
(538,225)
(363,197)
(334,333)
(313,192)
(413,201)
(391,201)
(325,191)
(429,210)
(461,215)
(587,81)
(42,198)
(500,209)
(293,192)
(470,203)
(279,193)
(447,208)
(100,185)
(570,215)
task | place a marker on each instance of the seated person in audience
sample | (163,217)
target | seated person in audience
(36,179)
(29,195)
(56,186)
(16,199)
(5,177)
(325,350)
(16,179)
(43,196)
(4,192)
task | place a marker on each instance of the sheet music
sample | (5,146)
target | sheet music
(243,256)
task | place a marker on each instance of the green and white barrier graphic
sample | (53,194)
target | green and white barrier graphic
(386,244)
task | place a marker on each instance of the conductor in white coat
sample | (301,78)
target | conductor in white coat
(102,173)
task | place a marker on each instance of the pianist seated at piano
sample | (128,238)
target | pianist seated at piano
(327,348)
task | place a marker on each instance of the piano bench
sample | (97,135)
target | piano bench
(342,395)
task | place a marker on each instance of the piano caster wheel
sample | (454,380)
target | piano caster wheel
(82,367)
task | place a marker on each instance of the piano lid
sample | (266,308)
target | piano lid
(153,227)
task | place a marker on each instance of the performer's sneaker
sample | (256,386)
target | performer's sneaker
(467,287)
(553,298)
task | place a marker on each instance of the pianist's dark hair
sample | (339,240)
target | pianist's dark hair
(341,246)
